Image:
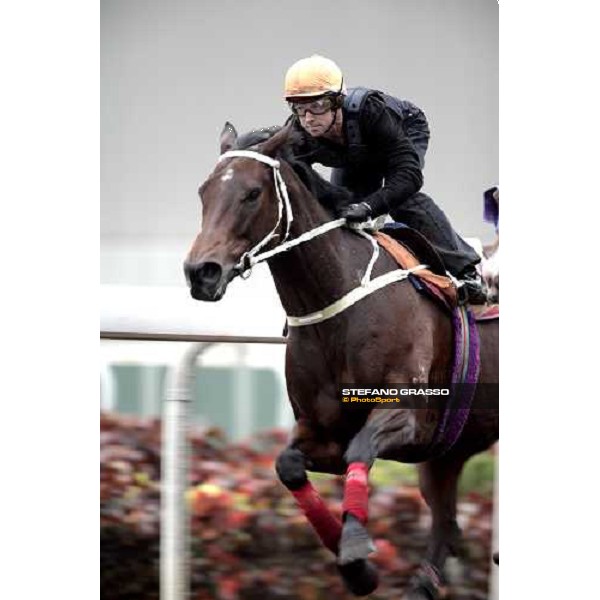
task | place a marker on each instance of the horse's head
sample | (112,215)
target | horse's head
(239,211)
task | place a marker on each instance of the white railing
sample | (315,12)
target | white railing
(174,535)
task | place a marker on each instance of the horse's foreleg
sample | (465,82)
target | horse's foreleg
(359,576)
(291,469)
(438,481)
(355,543)
(385,430)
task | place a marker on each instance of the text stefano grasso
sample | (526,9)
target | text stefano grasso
(396,391)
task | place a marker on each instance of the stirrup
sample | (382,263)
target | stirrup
(462,295)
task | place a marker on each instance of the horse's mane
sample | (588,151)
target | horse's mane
(329,195)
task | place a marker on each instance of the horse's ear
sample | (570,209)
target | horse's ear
(228,137)
(272,146)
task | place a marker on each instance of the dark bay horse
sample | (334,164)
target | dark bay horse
(392,336)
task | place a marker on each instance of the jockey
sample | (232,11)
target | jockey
(376,145)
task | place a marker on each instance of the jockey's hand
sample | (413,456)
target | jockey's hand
(355,213)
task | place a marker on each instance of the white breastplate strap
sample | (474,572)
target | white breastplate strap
(352,297)
(367,276)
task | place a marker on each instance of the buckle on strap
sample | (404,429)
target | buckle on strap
(244,266)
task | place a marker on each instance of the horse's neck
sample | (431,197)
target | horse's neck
(317,272)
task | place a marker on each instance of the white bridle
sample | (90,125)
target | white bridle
(253,257)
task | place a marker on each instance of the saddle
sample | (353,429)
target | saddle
(418,244)
(410,248)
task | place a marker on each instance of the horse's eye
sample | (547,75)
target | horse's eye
(252,195)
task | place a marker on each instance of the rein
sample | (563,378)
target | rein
(253,257)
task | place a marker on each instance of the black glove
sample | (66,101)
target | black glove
(355,213)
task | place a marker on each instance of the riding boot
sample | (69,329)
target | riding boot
(472,289)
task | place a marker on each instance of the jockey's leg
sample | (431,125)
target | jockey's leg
(421,213)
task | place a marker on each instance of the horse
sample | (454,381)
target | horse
(259,198)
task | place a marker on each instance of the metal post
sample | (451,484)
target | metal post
(242,392)
(174,549)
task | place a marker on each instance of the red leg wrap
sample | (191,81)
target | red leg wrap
(356,491)
(328,527)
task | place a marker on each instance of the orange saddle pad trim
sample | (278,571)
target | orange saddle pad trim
(406,259)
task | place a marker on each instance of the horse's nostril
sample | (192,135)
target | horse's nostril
(203,273)
(210,272)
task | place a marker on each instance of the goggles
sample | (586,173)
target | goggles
(315,107)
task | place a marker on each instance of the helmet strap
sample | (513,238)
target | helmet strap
(335,112)
(338,105)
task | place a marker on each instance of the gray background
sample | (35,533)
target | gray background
(173,72)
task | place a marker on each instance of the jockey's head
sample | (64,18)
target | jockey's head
(315,90)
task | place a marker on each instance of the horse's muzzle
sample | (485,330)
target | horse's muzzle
(206,280)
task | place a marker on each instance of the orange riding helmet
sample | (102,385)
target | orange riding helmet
(313,76)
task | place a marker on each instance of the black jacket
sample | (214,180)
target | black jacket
(385,151)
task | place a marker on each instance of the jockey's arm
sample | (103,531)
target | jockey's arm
(402,173)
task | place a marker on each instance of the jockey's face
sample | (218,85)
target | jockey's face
(317,125)
(316,116)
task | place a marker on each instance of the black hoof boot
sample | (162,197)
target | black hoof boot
(361,577)
(355,543)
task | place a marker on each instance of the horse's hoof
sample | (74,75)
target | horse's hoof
(422,594)
(424,591)
(355,543)
(426,585)
(361,577)
(496,558)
